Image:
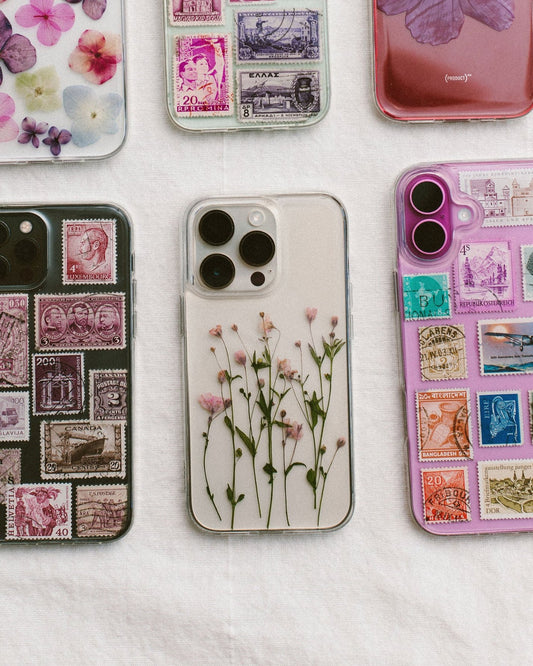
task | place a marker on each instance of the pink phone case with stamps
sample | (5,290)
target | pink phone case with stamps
(465,296)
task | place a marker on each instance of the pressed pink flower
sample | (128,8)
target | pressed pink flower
(261,383)
(266,326)
(216,331)
(294,430)
(52,21)
(240,357)
(96,56)
(221,376)
(311,313)
(298,344)
(8,127)
(284,367)
(334,322)
(234,327)
(213,404)
(341,442)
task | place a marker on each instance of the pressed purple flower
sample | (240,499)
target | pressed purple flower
(30,131)
(57,138)
(16,51)
(93,8)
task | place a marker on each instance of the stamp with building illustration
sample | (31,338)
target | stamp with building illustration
(38,511)
(14,416)
(278,95)
(101,511)
(505,489)
(197,12)
(506,346)
(278,35)
(526,255)
(81,449)
(426,296)
(80,321)
(446,495)
(109,395)
(89,252)
(483,277)
(500,418)
(58,384)
(14,364)
(9,470)
(442,352)
(506,195)
(443,424)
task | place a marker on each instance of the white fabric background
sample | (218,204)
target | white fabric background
(378,591)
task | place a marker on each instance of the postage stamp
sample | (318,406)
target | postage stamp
(58,384)
(278,35)
(506,346)
(483,277)
(505,489)
(80,449)
(109,395)
(198,12)
(14,416)
(442,352)
(9,470)
(500,418)
(80,321)
(446,495)
(443,424)
(101,511)
(506,195)
(39,511)
(203,81)
(89,252)
(278,95)
(526,253)
(426,296)
(14,340)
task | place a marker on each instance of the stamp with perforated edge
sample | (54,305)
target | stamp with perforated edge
(426,296)
(58,384)
(506,346)
(526,254)
(14,416)
(446,495)
(442,352)
(10,469)
(443,425)
(101,511)
(108,395)
(89,252)
(37,511)
(14,365)
(500,418)
(196,12)
(505,489)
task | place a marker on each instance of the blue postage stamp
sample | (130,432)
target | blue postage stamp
(500,418)
(426,296)
(281,35)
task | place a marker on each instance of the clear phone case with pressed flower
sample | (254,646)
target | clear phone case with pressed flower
(62,84)
(267,365)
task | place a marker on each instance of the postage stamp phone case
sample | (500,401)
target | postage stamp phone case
(459,59)
(267,365)
(65,373)
(245,64)
(465,293)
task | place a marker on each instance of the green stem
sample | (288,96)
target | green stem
(283,444)
(209,493)
(324,487)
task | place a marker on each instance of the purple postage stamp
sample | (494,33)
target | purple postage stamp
(484,277)
(282,35)
(89,252)
(39,511)
(278,95)
(80,449)
(9,470)
(14,340)
(80,321)
(101,511)
(109,393)
(57,384)
(198,12)
(202,75)
(14,416)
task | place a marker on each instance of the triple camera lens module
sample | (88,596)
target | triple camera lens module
(428,235)
(23,249)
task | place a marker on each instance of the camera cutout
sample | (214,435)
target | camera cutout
(216,227)
(23,249)
(257,248)
(427,197)
(429,236)
(217,271)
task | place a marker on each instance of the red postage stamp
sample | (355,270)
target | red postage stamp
(443,424)
(101,511)
(446,495)
(89,252)
(39,511)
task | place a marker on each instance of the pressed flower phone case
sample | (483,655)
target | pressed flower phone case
(453,59)
(61,79)
(65,374)
(465,294)
(267,364)
(245,64)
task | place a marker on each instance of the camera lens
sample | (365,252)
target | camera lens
(429,236)
(427,196)
(257,248)
(4,268)
(26,251)
(4,232)
(217,271)
(216,227)
(257,279)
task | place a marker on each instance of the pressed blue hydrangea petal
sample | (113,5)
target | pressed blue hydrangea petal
(75,97)
(84,136)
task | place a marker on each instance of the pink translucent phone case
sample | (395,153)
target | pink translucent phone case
(445,60)
(465,295)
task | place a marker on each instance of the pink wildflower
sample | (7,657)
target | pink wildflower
(294,430)
(213,404)
(216,331)
(240,357)
(234,327)
(221,376)
(266,327)
(52,21)
(341,442)
(284,367)
(96,56)
(334,322)
(311,314)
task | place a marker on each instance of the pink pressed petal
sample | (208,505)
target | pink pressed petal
(79,62)
(91,41)
(27,16)
(8,130)
(43,6)
(63,16)
(113,47)
(102,74)
(47,34)
(7,106)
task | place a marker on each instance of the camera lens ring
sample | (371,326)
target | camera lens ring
(5,267)
(4,232)
(257,248)
(217,271)
(26,251)
(429,237)
(427,196)
(216,227)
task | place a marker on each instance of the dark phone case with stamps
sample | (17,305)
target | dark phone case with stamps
(245,64)
(65,376)
(466,314)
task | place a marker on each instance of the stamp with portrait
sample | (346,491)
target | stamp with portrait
(9,470)
(81,449)
(505,489)
(446,495)
(14,365)
(426,296)
(80,321)
(38,511)
(443,424)
(197,12)
(506,346)
(109,395)
(58,384)
(89,252)
(14,416)
(526,253)
(500,418)
(101,511)
(442,352)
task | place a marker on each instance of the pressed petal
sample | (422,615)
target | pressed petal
(28,16)
(391,7)
(64,136)
(25,137)
(75,98)
(35,141)
(82,135)
(41,128)
(8,130)
(79,61)
(91,41)
(43,6)
(47,34)
(435,22)
(94,8)
(63,17)
(28,124)
(7,106)
(5,29)
(496,14)
(18,54)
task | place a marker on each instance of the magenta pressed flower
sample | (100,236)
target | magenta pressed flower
(31,130)
(51,19)
(97,55)
(213,404)
(216,331)
(16,51)
(93,8)
(8,127)
(57,138)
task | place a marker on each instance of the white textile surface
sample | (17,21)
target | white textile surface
(379,591)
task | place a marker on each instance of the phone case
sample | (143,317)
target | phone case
(62,85)
(447,60)
(465,289)
(267,365)
(65,374)
(246,64)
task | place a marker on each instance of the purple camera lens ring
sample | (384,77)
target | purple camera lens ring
(429,237)
(429,200)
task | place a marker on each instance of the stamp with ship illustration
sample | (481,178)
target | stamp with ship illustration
(505,489)
(58,383)
(443,424)
(36,511)
(101,511)
(446,495)
(89,252)
(442,352)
